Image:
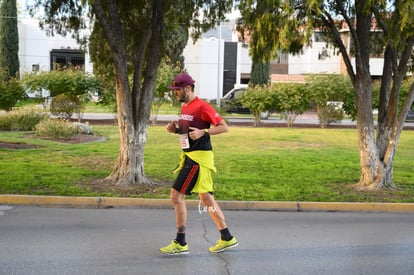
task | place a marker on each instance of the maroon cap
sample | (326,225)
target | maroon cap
(181,80)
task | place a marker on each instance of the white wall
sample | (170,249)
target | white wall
(35,46)
(202,63)
(312,62)
(244,61)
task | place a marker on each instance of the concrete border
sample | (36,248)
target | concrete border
(112,202)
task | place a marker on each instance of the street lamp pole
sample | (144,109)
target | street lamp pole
(218,67)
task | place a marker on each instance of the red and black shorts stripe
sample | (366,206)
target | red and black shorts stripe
(187,177)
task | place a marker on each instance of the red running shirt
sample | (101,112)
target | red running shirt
(198,114)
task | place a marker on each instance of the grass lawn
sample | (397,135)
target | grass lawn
(265,164)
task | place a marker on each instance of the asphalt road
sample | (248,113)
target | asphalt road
(41,240)
(308,120)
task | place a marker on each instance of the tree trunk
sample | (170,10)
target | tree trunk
(372,168)
(392,136)
(256,119)
(134,105)
(129,166)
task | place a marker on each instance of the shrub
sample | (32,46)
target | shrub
(22,119)
(11,91)
(64,106)
(56,129)
(330,88)
(258,99)
(292,100)
(329,113)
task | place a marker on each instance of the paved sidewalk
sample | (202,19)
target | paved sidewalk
(108,202)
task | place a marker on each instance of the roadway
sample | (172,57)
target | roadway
(308,119)
(58,240)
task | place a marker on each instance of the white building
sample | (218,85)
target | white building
(217,61)
(37,51)
(216,75)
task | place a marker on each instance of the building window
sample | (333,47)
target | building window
(67,58)
(35,67)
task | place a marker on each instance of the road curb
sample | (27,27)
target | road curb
(111,202)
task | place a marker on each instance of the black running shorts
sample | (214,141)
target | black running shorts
(187,177)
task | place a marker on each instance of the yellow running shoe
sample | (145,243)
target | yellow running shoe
(174,248)
(222,245)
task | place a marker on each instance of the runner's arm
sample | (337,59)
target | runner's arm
(220,128)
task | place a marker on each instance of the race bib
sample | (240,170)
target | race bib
(184,142)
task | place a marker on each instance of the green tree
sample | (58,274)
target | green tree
(9,38)
(175,41)
(269,29)
(395,19)
(134,34)
(259,73)
(70,89)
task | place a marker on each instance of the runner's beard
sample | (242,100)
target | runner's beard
(183,98)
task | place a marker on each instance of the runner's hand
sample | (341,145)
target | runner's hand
(171,127)
(196,133)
